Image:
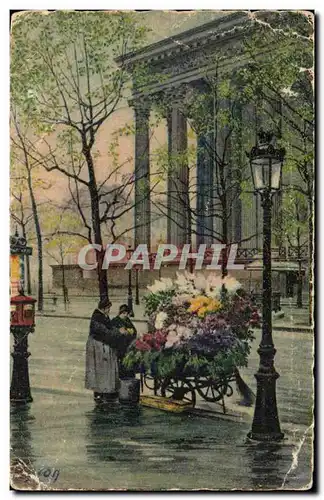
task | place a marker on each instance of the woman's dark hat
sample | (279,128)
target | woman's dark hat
(124,309)
(103,303)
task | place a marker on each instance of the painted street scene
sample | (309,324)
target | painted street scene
(162,250)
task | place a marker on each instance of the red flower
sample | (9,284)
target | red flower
(160,337)
(148,337)
(142,346)
(151,341)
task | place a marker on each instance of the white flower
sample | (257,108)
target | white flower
(184,332)
(179,300)
(161,285)
(172,339)
(160,320)
(213,286)
(184,284)
(200,282)
(168,282)
(181,280)
(231,284)
(215,283)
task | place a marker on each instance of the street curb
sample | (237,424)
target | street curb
(88,318)
(294,329)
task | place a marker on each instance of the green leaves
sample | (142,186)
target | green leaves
(157,300)
(68,74)
(293,221)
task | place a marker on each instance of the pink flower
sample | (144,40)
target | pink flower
(172,339)
(142,346)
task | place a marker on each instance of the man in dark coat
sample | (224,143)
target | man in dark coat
(102,375)
(123,321)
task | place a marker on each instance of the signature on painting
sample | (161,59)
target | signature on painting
(49,473)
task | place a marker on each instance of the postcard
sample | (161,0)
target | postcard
(162,250)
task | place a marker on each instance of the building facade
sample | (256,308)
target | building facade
(179,67)
(176,67)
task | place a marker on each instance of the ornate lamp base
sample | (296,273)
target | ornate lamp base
(266,426)
(274,436)
(20,388)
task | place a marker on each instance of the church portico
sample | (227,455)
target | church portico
(210,210)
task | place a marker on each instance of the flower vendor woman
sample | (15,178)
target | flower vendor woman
(101,354)
(123,321)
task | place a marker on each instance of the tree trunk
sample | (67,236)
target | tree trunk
(27,264)
(40,297)
(95,216)
(64,289)
(310,256)
(28,280)
(224,240)
(300,286)
(300,277)
(189,228)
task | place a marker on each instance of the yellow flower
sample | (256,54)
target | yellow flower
(130,331)
(214,305)
(198,302)
(202,312)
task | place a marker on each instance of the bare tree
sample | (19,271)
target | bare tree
(72,85)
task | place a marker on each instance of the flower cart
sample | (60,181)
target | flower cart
(200,334)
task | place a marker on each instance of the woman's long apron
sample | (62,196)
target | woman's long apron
(101,367)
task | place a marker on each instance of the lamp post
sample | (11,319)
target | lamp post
(130,292)
(137,301)
(266,166)
(22,321)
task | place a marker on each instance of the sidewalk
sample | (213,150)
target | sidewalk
(290,318)
(58,347)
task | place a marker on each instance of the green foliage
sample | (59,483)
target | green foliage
(61,230)
(69,75)
(181,362)
(284,74)
(292,224)
(157,300)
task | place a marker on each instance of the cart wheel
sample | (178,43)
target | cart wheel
(211,390)
(151,383)
(228,390)
(180,390)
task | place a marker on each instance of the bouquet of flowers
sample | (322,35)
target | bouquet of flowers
(200,325)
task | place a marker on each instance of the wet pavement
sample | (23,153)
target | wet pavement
(67,443)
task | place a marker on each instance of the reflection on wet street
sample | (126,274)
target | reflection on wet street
(141,448)
(69,443)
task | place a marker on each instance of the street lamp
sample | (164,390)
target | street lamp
(130,292)
(22,321)
(266,166)
(136,287)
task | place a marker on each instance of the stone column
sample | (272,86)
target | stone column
(142,175)
(205,188)
(178,179)
(237,164)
